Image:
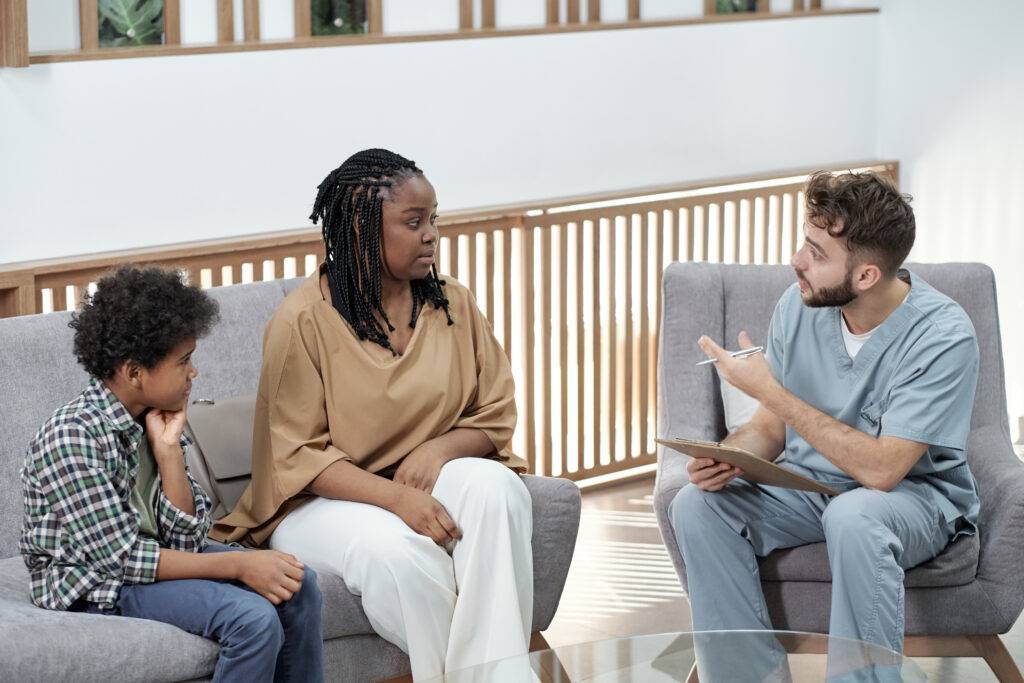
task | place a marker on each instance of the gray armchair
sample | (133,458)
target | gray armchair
(956,604)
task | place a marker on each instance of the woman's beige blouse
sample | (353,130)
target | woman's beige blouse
(325,396)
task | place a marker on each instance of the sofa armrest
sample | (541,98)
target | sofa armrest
(556,521)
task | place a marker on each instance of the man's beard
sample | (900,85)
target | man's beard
(837,296)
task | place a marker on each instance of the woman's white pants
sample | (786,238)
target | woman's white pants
(448,609)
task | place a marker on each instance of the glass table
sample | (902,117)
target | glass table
(710,657)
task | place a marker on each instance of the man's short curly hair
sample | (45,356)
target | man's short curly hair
(138,314)
(868,211)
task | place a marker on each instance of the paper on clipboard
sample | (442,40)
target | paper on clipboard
(755,469)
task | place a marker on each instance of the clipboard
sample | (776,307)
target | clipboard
(755,469)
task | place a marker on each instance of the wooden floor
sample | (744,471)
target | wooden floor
(622,583)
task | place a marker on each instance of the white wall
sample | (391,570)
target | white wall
(117,154)
(950,103)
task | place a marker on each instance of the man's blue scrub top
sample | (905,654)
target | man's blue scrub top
(915,379)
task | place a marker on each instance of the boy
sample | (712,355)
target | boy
(114,522)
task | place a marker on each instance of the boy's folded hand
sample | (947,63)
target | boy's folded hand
(275,575)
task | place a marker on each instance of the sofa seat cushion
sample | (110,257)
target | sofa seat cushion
(342,611)
(44,645)
(957,565)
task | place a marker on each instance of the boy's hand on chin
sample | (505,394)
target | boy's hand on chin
(163,429)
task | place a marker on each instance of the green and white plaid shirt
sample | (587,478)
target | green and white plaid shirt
(80,538)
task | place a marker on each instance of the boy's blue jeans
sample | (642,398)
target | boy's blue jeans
(258,641)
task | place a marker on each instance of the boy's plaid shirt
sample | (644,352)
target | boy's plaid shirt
(80,537)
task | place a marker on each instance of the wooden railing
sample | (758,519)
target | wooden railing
(572,287)
(577,16)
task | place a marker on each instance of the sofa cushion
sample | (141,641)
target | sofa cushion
(38,374)
(954,566)
(556,511)
(44,645)
(221,454)
(229,359)
(342,612)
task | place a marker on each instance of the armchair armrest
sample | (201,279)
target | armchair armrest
(1000,477)
(671,477)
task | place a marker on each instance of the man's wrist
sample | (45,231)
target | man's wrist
(771,395)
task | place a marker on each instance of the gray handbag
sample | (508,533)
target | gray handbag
(221,455)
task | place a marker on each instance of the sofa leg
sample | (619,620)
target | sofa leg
(538,642)
(997,657)
(551,669)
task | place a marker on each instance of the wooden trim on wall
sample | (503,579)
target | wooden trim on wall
(593,11)
(815,4)
(14,33)
(538,277)
(377,38)
(172,22)
(303,19)
(572,13)
(374,17)
(89,24)
(465,15)
(251,19)
(17,295)
(709,8)
(551,12)
(225,21)
(487,13)
(633,10)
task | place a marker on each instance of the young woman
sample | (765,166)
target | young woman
(383,417)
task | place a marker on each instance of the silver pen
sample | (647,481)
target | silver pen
(742,353)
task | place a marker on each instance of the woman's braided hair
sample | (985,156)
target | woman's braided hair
(349,208)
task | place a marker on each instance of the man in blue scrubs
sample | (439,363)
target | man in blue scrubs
(867,385)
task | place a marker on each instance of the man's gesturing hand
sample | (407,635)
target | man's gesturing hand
(751,374)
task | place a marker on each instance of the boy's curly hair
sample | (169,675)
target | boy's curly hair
(139,314)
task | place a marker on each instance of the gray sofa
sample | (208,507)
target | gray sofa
(974,588)
(38,373)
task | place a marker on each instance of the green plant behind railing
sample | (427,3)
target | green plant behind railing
(131,22)
(338,17)
(731,6)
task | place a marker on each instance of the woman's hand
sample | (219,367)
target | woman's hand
(275,575)
(425,516)
(421,468)
(711,475)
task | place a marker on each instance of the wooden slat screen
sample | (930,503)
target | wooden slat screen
(14,33)
(572,289)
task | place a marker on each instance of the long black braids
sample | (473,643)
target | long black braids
(349,208)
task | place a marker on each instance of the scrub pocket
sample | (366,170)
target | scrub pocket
(869,419)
